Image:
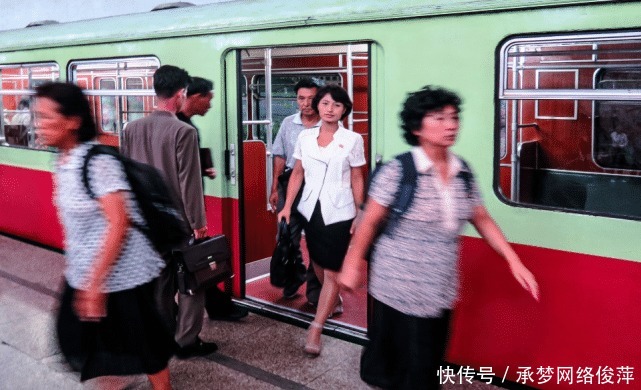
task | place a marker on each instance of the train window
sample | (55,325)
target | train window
(283,97)
(17,84)
(570,115)
(617,124)
(119,90)
(135,104)
(108,111)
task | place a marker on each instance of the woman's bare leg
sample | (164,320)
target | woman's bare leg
(326,303)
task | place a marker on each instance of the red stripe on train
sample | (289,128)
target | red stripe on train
(26,206)
(589,315)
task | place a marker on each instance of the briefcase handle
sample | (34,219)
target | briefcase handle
(193,241)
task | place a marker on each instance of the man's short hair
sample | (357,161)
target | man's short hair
(24,103)
(170,79)
(200,86)
(305,83)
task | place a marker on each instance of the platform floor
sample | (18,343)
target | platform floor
(255,353)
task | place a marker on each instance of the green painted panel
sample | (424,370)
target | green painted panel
(25,158)
(256,14)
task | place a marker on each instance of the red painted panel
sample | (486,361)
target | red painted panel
(223,217)
(505,178)
(588,315)
(26,206)
(260,226)
(27,211)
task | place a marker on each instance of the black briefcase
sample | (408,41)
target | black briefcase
(202,264)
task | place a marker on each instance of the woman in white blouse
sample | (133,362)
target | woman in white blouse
(329,158)
(108,323)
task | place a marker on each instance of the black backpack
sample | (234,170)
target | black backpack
(405,193)
(164,225)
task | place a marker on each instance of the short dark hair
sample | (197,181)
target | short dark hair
(305,83)
(24,103)
(199,86)
(338,94)
(170,79)
(421,102)
(72,102)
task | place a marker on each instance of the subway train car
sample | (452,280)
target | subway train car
(551,125)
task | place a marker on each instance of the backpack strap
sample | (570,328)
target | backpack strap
(111,151)
(466,175)
(406,190)
(94,150)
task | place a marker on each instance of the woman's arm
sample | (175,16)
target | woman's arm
(90,302)
(278,168)
(491,233)
(354,268)
(295,182)
(358,185)
(358,188)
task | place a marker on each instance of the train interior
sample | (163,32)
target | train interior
(16,120)
(267,96)
(577,154)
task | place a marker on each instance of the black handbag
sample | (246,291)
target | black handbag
(285,268)
(202,264)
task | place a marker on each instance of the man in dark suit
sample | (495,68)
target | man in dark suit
(171,146)
(200,92)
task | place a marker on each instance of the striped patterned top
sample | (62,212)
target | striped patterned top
(85,223)
(414,268)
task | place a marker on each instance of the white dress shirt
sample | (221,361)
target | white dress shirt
(328,173)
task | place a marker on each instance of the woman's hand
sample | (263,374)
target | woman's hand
(273,200)
(490,231)
(352,274)
(525,278)
(357,220)
(90,305)
(211,173)
(284,213)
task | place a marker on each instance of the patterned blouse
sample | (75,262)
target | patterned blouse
(85,224)
(414,268)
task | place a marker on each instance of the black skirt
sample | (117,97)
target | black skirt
(327,244)
(131,340)
(403,351)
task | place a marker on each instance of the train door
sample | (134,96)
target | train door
(264,82)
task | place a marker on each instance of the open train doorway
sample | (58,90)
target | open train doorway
(266,96)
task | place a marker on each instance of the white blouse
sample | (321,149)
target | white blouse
(328,173)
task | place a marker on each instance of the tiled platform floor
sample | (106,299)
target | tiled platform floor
(255,353)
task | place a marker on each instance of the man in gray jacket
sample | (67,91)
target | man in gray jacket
(200,92)
(171,146)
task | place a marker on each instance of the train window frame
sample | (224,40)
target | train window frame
(590,52)
(26,131)
(124,68)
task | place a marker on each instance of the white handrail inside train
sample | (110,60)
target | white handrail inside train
(269,126)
